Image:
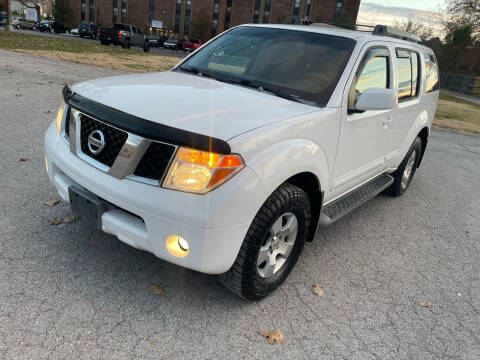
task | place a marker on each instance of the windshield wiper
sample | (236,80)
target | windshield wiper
(261,87)
(194,70)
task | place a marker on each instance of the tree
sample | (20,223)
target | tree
(465,11)
(34,4)
(201,27)
(415,27)
(61,10)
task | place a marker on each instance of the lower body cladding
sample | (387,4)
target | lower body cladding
(148,217)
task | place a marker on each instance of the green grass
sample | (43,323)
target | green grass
(15,41)
(457,114)
(458,100)
(139,66)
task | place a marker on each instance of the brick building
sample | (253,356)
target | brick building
(177,15)
(3,6)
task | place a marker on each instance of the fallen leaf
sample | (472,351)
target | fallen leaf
(272,336)
(317,290)
(71,219)
(47,112)
(427,304)
(51,202)
(18,95)
(24,159)
(56,221)
(158,290)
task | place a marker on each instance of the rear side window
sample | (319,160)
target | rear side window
(407,74)
(432,82)
(121,27)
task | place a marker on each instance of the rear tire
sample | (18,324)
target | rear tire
(146,47)
(251,276)
(404,174)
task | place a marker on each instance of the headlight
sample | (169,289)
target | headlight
(200,171)
(61,109)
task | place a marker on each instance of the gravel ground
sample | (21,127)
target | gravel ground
(69,291)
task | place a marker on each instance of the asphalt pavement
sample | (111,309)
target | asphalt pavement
(401,276)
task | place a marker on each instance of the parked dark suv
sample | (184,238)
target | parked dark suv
(87,30)
(53,27)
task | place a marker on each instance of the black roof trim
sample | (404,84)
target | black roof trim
(145,128)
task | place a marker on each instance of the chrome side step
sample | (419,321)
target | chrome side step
(342,206)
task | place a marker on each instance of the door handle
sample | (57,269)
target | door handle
(387,121)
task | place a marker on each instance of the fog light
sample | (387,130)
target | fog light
(177,246)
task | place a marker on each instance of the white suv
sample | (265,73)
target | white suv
(227,163)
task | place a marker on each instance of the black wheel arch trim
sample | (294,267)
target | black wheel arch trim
(143,127)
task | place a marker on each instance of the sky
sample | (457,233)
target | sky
(387,12)
(414,4)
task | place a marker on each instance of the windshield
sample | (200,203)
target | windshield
(83,26)
(121,27)
(298,65)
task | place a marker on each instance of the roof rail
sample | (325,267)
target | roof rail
(396,33)
(382,30)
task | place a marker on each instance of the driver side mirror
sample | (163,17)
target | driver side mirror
(376,99)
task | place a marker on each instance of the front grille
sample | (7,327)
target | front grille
(155,161)
(114,140)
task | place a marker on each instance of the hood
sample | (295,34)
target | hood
(192,103)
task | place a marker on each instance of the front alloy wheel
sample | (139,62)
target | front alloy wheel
(277,246)
(272,245)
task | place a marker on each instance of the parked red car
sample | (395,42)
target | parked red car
(192,44)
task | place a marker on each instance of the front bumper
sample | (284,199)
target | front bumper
(214,224)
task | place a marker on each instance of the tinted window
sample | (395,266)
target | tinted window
(431,74)
(415,74)
(407,74)
(195,41)
(301,65)
(374,72)
(121,27)
(83,26)
(404,71)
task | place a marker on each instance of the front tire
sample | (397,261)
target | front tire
(146,47)
(272,245)
(404,174)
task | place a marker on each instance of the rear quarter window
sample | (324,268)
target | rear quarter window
(432,82)
(407,74)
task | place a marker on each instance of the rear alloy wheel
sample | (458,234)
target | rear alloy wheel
(272,245)
(52,31)
(404,174)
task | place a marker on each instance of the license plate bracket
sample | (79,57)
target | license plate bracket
(87,205)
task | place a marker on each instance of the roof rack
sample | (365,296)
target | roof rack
(382,30)
(396,33)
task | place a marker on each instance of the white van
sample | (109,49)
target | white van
(228,163)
